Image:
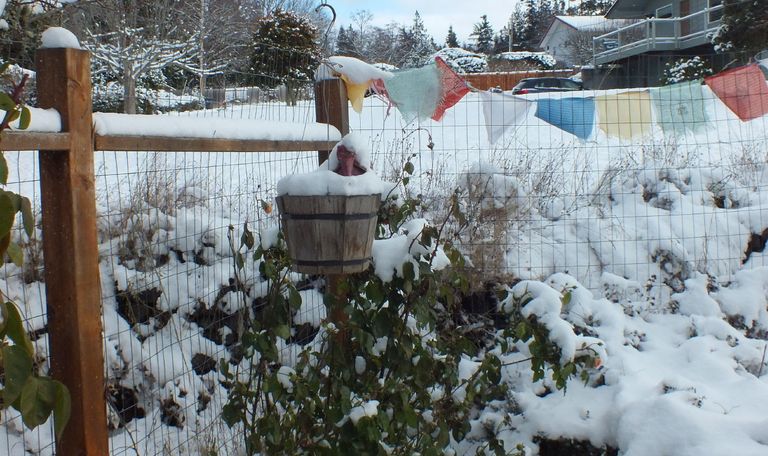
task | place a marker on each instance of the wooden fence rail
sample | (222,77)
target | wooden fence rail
(68,200)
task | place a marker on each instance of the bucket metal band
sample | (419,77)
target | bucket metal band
(328,216)
(332,262)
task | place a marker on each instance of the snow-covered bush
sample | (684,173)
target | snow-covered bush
(686,69)
(522,60)
(461,60)
(392,359)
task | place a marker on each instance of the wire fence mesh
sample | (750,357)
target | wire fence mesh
(638,209)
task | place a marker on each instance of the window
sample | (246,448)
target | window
(715,16)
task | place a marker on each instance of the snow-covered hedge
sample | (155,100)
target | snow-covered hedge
(461,60)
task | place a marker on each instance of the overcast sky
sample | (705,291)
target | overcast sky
(437,14)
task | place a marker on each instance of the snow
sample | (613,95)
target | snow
(59,37)
(366,409)
(658,283)
(186,126)
(461,60)
(542,57)
(594,23)
(41,120)
(323,181)
(357,71)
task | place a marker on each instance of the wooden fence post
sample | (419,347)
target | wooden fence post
(331,107)
(72,284)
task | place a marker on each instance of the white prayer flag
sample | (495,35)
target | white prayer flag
(502,111)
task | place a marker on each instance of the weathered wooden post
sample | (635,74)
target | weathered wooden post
(332,107)
(72,284)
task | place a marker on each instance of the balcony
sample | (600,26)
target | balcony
(657,34)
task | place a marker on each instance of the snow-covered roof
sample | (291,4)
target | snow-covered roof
(592,23)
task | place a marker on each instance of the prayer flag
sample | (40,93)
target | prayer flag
(452,88)
(743,90)
(416,92)
(680,108)
(574,115)
(502,111)
(625,114)
(355,92)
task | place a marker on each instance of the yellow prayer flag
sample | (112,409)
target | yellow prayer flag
(355,92)
(625,114)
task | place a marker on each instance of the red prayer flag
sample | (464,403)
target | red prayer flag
(743,90)
(452,88)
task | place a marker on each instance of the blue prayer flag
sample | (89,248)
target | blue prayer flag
(574,115)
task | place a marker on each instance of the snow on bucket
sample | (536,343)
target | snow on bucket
(329,234)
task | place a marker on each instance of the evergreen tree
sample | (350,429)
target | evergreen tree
(450,40)
(483,35)
(284,52)
(744,28)
(591,8)
(345,42)
(414,45)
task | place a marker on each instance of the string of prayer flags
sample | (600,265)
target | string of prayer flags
(680,108)
(502,111)
(574,115)
(452,88)
(355,92)
(743,90)
(415,92)
(624,115)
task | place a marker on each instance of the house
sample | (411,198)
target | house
(569,38)
(665,30)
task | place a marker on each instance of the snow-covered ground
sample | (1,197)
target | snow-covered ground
(660,239)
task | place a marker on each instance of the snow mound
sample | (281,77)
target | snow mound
(59,37)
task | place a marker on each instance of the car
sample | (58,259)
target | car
(536,85)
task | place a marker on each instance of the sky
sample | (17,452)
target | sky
(437,14)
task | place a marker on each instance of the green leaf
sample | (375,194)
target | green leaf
(7,215)
(15,329)
(25,118)
(3,170)
(4,67)
(283,331)
(13,116)
(15,254)
(62,408)
(240,261)
(17,365)
(294,298)
(6,102)
(27,218)
(247,237)
(567,298)
(408,168)
(37,401)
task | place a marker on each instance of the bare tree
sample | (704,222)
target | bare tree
(135,37)
(579,45)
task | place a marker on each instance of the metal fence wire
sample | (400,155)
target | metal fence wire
(645,203)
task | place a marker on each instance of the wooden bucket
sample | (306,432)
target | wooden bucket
(329,234)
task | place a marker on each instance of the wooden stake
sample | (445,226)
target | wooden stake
(72,284)
(331,107)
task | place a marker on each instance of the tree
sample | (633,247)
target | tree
(23,25)
(744,28)
(414,44)
(345,44)
(483,35)
(591,8)
(450,40)
(361,19)
(284,52)
(133,38)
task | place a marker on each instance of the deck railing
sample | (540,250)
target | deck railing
(657,34)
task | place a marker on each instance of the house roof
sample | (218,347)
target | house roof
(585,24)
(590,23)
(627,9)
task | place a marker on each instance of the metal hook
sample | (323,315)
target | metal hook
(322,4)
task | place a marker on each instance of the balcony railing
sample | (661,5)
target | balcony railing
(656,34)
